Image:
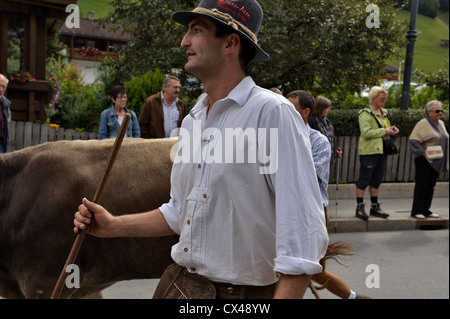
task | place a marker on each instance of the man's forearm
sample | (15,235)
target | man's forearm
(149,224)
(292,286)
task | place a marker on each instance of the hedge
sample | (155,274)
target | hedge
(346,121)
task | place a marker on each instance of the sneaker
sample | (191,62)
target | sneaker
(419,216)
(433,215)
(376,211)
(360,212)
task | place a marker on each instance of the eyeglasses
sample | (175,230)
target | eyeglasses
(438,111)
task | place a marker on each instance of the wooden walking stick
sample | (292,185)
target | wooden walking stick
(81,234)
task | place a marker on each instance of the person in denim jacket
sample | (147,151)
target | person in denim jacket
(112,118)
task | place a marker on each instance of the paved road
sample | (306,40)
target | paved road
(411,265)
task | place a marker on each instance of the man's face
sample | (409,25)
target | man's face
(173,89)
(3,86)
(202,47)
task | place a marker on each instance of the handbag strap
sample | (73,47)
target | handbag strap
(378,122)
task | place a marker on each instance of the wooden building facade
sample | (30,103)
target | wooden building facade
(25,26)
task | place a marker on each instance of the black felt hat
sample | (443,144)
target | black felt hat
(244,16)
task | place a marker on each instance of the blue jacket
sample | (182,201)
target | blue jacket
(6,115)
(109,125)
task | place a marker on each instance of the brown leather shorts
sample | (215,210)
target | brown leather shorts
(178,283)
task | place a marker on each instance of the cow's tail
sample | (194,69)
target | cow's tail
(336,251)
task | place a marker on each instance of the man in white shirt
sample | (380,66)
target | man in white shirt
(248,215)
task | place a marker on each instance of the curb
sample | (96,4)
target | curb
(353,224)
(387,190)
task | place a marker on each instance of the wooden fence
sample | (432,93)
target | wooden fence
(400,168)
(24,134)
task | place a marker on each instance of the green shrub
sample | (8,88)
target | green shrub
(77,104)
(141,87)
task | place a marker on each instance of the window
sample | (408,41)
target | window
(16,43)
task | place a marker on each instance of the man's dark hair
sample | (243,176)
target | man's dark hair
(118,89)
(248,51)
(305,99)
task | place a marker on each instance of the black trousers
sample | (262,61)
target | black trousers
(426,178)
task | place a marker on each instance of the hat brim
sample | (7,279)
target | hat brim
(184,17)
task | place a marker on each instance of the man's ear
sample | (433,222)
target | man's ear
(233,42)
(307,112)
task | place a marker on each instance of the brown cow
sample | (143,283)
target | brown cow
(41,188)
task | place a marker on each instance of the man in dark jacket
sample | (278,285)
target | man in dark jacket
(163,112)
(5,114)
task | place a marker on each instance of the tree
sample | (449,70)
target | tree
(429,8)
(317,45)
(156,39)
(327,46)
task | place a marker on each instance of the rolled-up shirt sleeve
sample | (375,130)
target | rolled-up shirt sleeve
(301,235)
(172,209)
(171,213)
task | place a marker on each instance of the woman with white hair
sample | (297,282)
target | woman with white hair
(374,125)
(429,144)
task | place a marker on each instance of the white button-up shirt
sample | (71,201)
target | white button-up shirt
(245,198)
(171,115)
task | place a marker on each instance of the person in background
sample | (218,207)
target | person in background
(371,156)
(429,131)
(320,122)
(321,151)
(5,114)
(112,118)
(276,90)
(163,112)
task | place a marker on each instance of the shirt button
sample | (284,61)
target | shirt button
(205,196)
(188,222)
(205,139)
(199,165)
(186,249)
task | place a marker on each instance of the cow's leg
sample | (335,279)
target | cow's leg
(9,287)
(94,295)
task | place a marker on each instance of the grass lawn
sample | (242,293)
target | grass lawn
(101,8)
(429,56)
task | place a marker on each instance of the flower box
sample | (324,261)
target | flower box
(37,86)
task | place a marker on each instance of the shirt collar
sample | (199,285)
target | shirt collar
(239,95)
(112,111)
(164,100)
